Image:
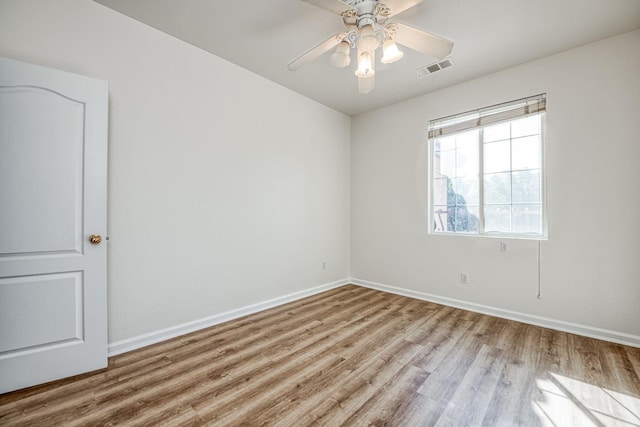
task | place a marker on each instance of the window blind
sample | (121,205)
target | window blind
(487,116)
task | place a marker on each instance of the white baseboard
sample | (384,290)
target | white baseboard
(587,331)
(144,340)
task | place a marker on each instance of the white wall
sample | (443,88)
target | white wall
(591,262)
(225,189)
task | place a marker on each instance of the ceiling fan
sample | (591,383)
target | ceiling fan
(366,29)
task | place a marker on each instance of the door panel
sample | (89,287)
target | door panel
(42,133)
(41,322)
(53,159)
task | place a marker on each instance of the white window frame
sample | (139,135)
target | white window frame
(478,119)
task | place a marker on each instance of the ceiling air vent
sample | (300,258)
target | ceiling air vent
(432,68)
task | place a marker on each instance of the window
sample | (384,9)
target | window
(487,171)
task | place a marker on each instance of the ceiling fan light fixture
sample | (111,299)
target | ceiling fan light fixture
(366,30)
(340,58)
(366,85)
(365,65)
(367,40)
(390,52)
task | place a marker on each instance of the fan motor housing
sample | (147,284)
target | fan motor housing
(366,11)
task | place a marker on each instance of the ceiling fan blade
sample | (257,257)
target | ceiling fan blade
(316,51)
(421,41)
(399,6)
(335,6)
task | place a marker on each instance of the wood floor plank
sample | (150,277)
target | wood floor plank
(511,399)
(475,389)
(391,400)
(361,370)
(299,356)
(137,363)
(354,351)
(279,316)
(633,355)
(517,378)
(350,356)
(178,378)
(354,394)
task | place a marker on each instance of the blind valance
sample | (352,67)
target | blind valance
(487,116)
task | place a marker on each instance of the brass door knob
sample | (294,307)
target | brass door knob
(95,239)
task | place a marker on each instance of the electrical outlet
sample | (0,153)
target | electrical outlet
(324,265)
(464,278)
(504,247)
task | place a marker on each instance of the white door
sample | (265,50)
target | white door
(53,170)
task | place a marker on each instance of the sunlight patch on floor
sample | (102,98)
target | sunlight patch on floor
(564,401)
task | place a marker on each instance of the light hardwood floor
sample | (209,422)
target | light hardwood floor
(351,356)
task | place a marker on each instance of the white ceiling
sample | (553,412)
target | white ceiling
(263,36)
